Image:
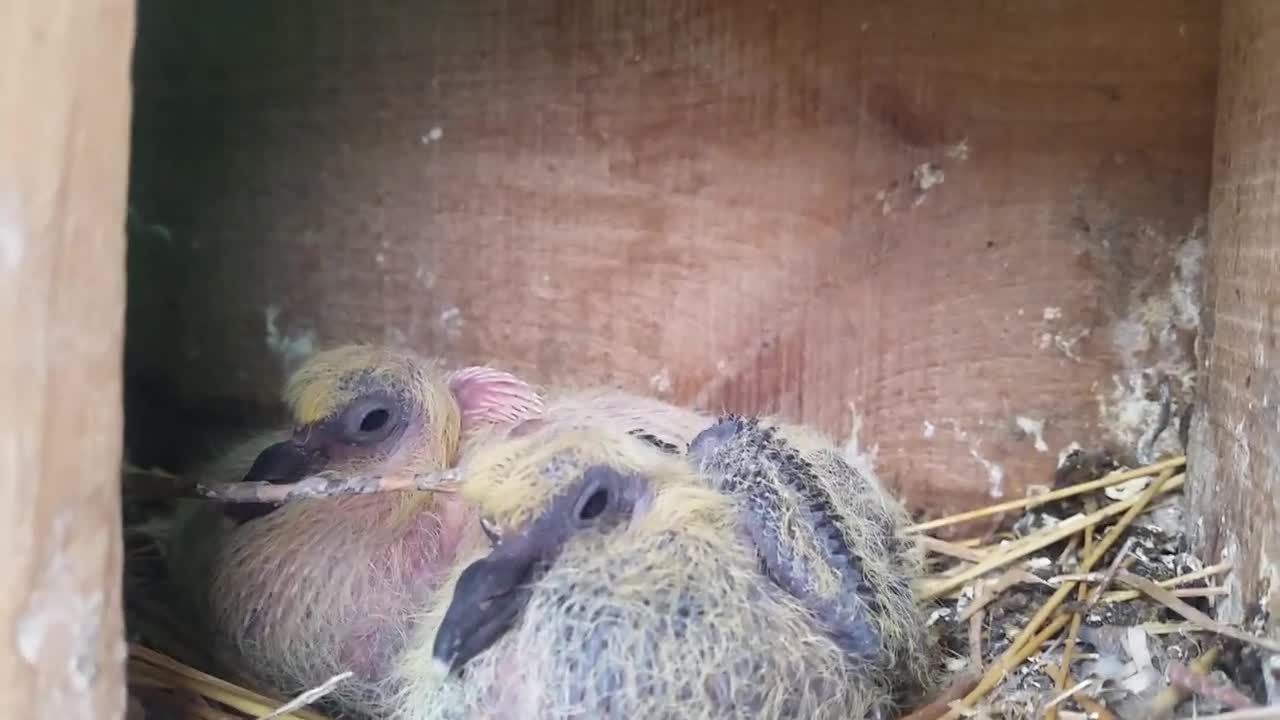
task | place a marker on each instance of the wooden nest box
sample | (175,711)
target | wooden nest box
(970,239)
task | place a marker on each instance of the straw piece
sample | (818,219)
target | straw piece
(1008,662)
(325,486)
(1073,634)
(1029,502)
(1055,702)
(1068,550)
(156,665)
(950,549)
(1046,538)
(214,691)
(1210,571)
(942,547)
(1171,601)
(308,697)
(1128,595)
(1121,559)
(1090,577)
(1095,709)
(989,593)
(1094,577)
(1063,676)
(975,641)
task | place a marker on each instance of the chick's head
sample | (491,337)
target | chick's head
(372,411)
(616,586)
(306,589)
(552,490)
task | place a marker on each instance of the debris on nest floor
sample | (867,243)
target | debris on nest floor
(1092,606)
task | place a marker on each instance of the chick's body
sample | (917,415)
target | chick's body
(653,607)
(830,535)
(313,588)
(327,586)
(680,627)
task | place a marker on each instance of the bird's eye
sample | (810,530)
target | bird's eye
(374,420)
(595,504)
(369,420)
(491,530)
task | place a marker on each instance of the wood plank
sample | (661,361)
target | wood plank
(1234,459)
(64,153)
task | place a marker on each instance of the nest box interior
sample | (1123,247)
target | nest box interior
(969,239)
(975,234)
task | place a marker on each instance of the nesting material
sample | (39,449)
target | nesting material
(172,689)
(1090,607)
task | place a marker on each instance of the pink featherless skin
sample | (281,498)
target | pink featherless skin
(487,395)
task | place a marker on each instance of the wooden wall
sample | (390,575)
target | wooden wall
(64,153)
(979,226)
(1235,450)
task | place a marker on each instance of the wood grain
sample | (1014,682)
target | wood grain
(1234,463)
(64,152)
(717,202)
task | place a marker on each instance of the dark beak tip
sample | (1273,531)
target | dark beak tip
(445,657)
(283,462)
(487,601)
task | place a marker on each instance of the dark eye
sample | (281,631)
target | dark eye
(594,505)
(374,420)
(369,420)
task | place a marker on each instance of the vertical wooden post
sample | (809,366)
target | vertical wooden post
(64,149)
(1235,444)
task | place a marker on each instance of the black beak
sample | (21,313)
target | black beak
(283,463)
(492,593)
(279,464)
(488,599)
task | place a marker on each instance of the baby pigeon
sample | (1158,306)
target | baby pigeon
(628,580)
(316,587)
